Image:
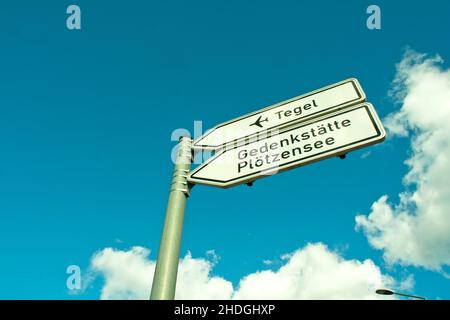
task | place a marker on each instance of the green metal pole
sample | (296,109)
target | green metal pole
(409,296)
(165,277)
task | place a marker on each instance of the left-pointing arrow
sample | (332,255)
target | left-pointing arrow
(280,115)
(328,136)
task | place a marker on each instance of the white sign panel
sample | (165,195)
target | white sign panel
(312,104)
(304,143)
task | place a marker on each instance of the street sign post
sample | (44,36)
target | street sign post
(324,123)
(301,108)
(165,276)
(306,142)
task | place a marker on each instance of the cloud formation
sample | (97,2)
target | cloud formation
(313,272)
(416,231)
(128,275)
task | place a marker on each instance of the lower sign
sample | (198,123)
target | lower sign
(325,137)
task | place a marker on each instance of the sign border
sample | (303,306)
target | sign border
(361,98)
(380,134)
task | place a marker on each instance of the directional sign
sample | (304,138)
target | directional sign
(306,142)
(285,113)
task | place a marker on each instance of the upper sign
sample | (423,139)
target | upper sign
(330,135)
(282,114)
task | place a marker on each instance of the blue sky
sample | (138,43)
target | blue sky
(87,116)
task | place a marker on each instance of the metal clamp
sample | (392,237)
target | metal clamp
(180,175)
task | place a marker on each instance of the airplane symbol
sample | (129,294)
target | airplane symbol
(258,122)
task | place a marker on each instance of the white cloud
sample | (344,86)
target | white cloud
(195,281)
(407,284)
(267,262)
(416,231)
(129,274)
(126,273)
(313,272)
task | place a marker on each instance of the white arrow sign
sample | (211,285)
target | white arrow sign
(285,113)
(304,143)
